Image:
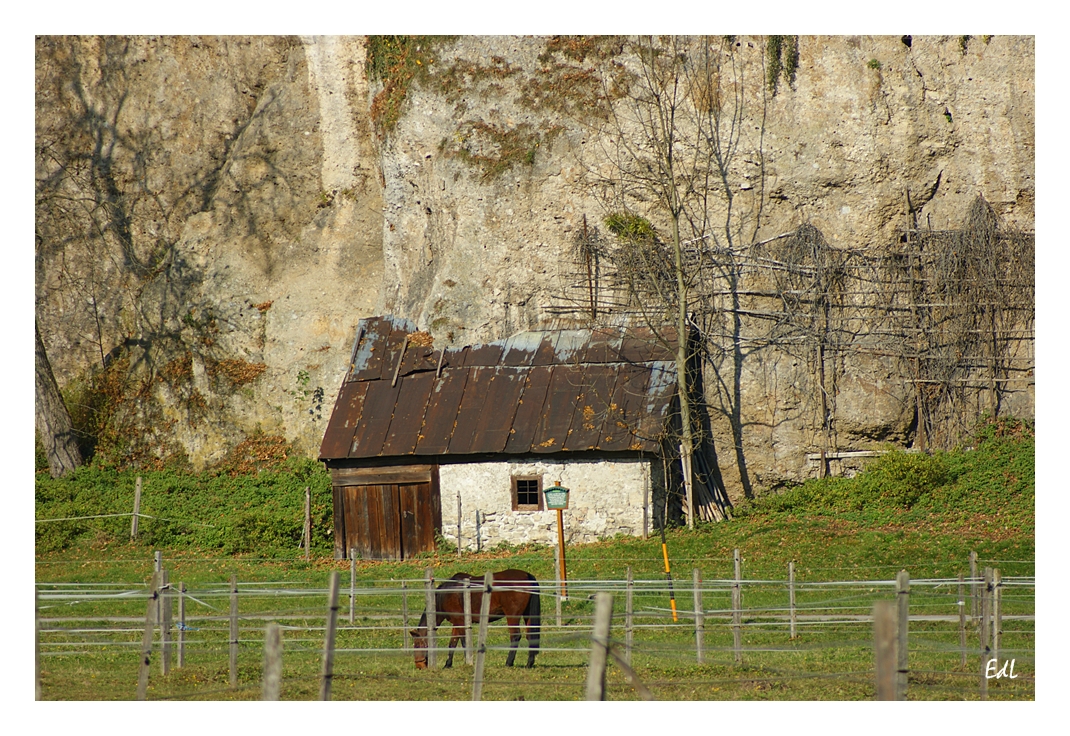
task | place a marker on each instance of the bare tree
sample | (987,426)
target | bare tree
(53,421)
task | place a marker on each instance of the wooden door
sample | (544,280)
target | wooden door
(387,521)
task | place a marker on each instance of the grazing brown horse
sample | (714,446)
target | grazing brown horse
(515,596)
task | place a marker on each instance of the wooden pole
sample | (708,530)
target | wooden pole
(699,619)
(327,674)
(137,509)
(646,505)
(997,612)
(36,645)
(308,522)
(884,646)
(737,605)
(352,584)
(986,612)
(481,641)
(902,598)
(272,662)
(233,630)
(596,668)
(432,617)
(157,567)
(962,623)
(973,587)
(557,597)
(166,607)
(404,615)
(181,624)
(146,638)
(791,596)
(468,622)
(561,552)
(628,613)
(479,534)
(458,524)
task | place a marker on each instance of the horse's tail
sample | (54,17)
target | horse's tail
(533,613)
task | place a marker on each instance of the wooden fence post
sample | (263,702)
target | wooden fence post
(432,617)
(884,648)
(596,669)
(468,622)
(791,596)
(181,624)
(986,614)
(628,614)
(233,630)
(146,639)
(997,612)
(479,534)
(137,509)
(962,623)
(699,617)
(973,588)
(902,598)
(404,615)
(458,523)
(272,662)
(737,605)
(166,607)
(308,522)
(36,645)
(481,640)
(327,674)
(352,584)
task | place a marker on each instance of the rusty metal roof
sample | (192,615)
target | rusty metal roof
(535,392)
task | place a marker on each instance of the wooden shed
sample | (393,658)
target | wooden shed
(408,412)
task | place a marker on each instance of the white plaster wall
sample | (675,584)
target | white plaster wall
(606,498)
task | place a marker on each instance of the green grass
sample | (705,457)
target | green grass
(918,513)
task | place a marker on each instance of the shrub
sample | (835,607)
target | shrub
(900,478)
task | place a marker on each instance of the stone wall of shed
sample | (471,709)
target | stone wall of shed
(606,499)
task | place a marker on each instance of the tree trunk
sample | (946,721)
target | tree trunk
(52,418)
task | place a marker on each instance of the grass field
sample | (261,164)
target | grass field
(847,547)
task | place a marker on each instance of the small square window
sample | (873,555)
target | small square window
(527,493)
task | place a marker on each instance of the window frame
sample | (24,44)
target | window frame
(540,506)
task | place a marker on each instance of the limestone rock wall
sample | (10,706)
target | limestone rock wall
(237,205)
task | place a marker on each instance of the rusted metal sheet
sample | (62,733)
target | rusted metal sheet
(591,407)
(529,410)
(565,384)
(347,410)
(470,411)
(375,419)
(544,392)
(499,409)
(484,355)
(629,398)
(442,412)
(413,394)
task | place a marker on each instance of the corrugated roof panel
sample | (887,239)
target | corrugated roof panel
(375,419)
(484,355)
(643,345)
(565,384)
(396,342)
(520,349)
(409,411)
(470,413)
(418,358)
(603,347)
(660,390)
(368,357)
(529,410)
(630,399)
(441,413)
(343,423)
(592,405)
(545,353)
(503,399)
(571,345)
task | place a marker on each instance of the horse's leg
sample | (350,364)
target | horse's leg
(514,638)
(458,632)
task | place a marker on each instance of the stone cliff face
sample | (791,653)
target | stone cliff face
(245,209)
